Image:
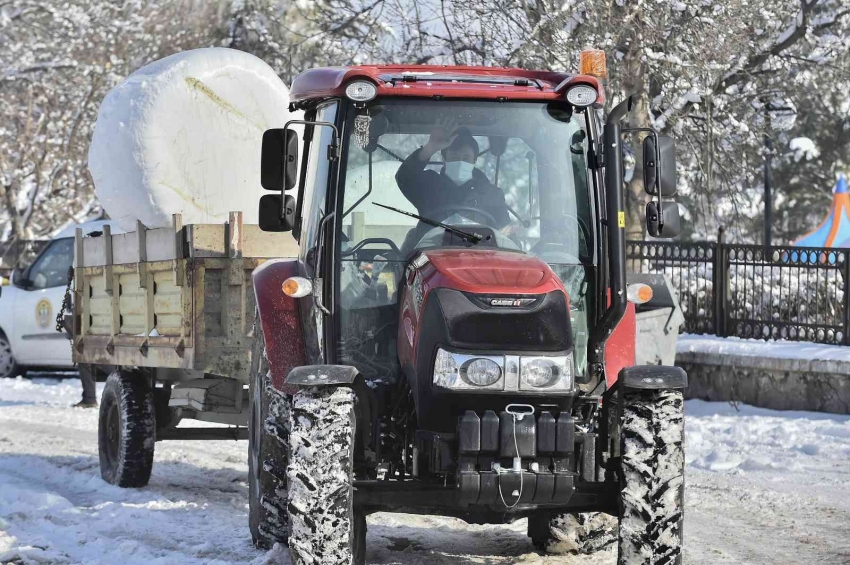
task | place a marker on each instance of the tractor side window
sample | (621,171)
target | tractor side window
(51,268)
(316,180)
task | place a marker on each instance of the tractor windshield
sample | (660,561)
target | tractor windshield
(515,170)
(422,173)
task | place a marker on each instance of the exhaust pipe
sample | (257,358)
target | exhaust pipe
(615,214)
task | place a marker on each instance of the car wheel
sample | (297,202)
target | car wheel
(8,366)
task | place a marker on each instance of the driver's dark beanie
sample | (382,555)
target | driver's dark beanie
(464,137)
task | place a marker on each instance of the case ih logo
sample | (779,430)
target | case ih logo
(511,302)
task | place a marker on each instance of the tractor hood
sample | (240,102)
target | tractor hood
(476,301)
(490,271)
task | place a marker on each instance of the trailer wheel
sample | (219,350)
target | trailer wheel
(126,430)
(582,533)
(325,525)
(8,365)
(652,481)
(268,439)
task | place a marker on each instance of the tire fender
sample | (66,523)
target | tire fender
(281,319)
(653,377)
(327,376)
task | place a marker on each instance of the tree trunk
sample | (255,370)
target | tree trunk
(634,83)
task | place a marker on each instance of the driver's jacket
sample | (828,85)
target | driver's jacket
(434,194)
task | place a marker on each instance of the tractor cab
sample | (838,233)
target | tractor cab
(369,203)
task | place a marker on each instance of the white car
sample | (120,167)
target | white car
(29,305)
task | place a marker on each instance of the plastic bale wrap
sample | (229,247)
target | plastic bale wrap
(183,135)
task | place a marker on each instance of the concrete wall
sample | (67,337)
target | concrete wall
(780,384)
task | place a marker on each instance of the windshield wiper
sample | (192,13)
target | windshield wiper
(465,235)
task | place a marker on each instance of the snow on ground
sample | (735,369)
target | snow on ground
(762,487)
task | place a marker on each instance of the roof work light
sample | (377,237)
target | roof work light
(361,90)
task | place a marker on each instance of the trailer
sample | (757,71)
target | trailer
(168,315)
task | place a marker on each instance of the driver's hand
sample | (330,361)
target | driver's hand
(510,229)
(441,134)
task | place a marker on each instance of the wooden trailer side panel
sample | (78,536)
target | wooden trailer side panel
(179,298)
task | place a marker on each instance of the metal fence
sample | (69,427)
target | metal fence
(753,291)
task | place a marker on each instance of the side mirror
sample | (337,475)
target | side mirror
(659,173)
(277,214)
(670,226)
(279,159)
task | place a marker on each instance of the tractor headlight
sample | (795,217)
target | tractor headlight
(503,373)
(458,371)
(481,372)
(546,373)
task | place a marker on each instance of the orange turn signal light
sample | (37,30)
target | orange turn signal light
(297,287)
(592,62)
(639,293)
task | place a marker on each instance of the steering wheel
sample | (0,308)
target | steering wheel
(459,208)
(371,240)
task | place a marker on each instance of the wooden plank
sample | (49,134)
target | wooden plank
(258,243)
(179,266)
(199,310)
(80,320)
(107,258)
(208,240)
(234,249)
(160,244)
(142,252)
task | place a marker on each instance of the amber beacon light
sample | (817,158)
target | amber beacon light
(592,63)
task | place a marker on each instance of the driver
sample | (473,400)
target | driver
(459,184)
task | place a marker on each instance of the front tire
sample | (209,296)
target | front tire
(652,481)
(268,453)
(126,430)
(326,527)
(8,366)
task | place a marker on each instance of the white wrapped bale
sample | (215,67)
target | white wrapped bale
(183,135)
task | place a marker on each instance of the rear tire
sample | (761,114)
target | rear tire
(268,453)
(652,481)
(126,430)
(582,533)
(326,528)
(8,366)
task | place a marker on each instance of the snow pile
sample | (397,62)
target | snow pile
(726,439)
(777,349)
(183,135)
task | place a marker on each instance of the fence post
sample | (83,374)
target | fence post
(845,272)
(719,276)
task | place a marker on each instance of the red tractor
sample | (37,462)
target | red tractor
(457,336)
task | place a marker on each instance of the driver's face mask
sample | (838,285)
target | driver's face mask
(459,171)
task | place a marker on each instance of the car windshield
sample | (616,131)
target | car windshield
(511,175)
(515,170)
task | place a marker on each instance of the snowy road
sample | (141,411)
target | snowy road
(762,487)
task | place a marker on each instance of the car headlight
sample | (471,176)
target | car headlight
(546,373)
